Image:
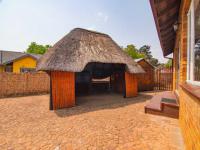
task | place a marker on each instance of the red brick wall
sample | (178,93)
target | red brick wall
(12,84)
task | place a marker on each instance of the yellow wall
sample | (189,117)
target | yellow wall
(26,62)
(1,68)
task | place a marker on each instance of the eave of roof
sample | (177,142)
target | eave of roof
(12,56)
(166,14)
(25,55)
(140,59)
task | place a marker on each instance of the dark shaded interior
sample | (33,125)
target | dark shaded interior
(100,78)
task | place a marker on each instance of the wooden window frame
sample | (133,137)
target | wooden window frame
(191,45)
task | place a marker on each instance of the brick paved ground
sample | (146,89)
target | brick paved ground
(98,122)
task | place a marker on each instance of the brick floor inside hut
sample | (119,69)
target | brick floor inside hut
(97,122)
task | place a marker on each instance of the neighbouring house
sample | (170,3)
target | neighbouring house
(83,56)
(178,27)
(17,62)
(145,80)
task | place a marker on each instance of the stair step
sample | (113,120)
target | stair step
(169,102)
(164,103)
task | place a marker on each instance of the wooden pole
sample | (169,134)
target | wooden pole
(51,98)
(131,85)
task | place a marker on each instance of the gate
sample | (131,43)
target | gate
(163,79)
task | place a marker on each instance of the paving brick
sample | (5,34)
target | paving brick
(97,122)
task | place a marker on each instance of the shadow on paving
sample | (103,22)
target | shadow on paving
(101,101)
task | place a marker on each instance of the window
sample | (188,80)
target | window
(193,74)
(25,70)
(9,68)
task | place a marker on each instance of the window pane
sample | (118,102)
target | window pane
(24,70)
(189,44)
(197,43)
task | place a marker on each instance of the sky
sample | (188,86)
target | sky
(47,21)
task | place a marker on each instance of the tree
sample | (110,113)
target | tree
(35,48)
(168,64)
(154,62)
(145,50)
(132,51)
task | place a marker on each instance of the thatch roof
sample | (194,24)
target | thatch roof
(80,47)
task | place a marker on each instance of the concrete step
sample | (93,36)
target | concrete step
(163,103)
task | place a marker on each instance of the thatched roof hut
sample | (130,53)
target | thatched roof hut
(80,47)
(81,56)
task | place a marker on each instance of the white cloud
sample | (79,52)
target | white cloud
(102,17)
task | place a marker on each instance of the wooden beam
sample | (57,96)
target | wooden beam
(51,98)
(168,17)
(166,32)
(170,8)
(170,35)
(166,26)
(157,2)
(169,42)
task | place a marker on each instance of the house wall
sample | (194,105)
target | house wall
(189,112)
(181,45)
(1,68)
(26,62)
(189,117)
